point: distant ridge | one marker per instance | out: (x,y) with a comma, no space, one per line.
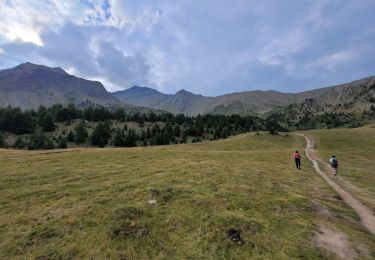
(246,102)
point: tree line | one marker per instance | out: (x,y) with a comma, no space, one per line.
(101,126)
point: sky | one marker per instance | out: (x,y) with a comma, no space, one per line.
(209,47)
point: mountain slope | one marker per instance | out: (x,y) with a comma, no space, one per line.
(181,102)
(358,91)
(355,94)
(187,103)
(351,104)
(192,104)
(29,86)
(141,96)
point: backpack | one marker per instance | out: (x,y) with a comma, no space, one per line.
(334,162)
(297,156)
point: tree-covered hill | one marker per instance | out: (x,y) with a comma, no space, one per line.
(68,126)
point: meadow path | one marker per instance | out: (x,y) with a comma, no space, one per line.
(238,136)
(366,215)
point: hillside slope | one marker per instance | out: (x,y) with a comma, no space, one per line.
(29,86)
(350,104)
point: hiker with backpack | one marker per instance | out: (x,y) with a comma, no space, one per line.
(334,164)
(297,159)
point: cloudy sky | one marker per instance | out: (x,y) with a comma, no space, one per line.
(209,47)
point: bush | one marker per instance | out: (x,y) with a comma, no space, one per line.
(62,143)
(48,145)
(36,142)
(19,143)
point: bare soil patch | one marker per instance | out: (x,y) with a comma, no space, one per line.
(334,242)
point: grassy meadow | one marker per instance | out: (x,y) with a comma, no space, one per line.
(94,203)
(355,149)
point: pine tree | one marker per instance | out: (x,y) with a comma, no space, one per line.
(80,133)
(184,137)
(177,131)
(70,137)
(148,133)
(119,138)
(101,134)
(168,129)
(47,123)
(2,140)
(131,138)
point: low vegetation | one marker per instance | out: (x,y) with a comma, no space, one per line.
(238,198)
(352,108)
(308,115)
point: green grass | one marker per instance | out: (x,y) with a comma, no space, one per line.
(355,149)
(93,203)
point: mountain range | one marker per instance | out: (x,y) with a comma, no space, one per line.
(29,86)
(246,102)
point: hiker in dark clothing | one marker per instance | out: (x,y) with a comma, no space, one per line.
(297,159)
(335,164)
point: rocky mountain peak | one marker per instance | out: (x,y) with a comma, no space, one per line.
(184,92)
(29,67)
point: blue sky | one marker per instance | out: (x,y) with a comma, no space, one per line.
(210,47)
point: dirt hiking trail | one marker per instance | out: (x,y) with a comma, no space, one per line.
(238,136)
(366,215)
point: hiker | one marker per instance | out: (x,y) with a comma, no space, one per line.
(297,159)
(335,164)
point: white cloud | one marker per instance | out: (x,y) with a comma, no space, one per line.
(20,22)
(331,61)
(289,43)
(133,18)
(26,20)
(71,70)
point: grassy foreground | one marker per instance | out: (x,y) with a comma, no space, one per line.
(93,203)
(355,149)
